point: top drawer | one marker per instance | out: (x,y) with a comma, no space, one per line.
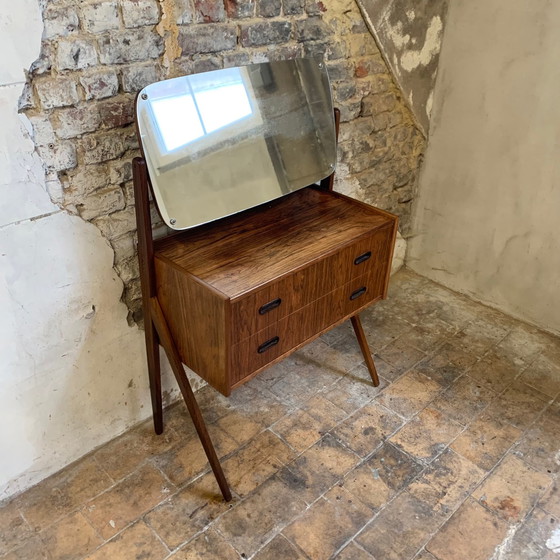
(264,306)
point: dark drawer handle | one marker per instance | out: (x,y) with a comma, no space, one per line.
(358,293)
(268,344)
(362,258)
(270,306)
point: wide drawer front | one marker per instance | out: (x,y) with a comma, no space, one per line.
(273,341)
(268,305)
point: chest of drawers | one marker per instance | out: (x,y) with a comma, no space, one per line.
(244,292)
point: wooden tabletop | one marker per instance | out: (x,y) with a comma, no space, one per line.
(248,250)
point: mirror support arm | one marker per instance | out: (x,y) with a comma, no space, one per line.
(328,182)
(147,282)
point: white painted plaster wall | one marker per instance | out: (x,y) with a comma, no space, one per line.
(72,372)
(487,219)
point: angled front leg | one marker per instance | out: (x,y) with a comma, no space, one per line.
(187,392)
(357,324)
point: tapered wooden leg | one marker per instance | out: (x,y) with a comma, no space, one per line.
(154,372)
(357,324)
(186,390)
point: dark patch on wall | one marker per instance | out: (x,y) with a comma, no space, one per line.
(409,33)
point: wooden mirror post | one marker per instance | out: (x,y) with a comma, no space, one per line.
(156,329)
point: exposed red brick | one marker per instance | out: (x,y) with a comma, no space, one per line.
(361,71)
(116,113)
(210,11)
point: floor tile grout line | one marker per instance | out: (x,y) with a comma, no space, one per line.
(360,547)
(341,548)
(308,507)
(521,521)
(421,551)
(469,494)
(548,403)
(317,499)
(224,512)
(66,514)
(423,546)
(21,514)
(275,532)
(192,481)
(18,544)
(295,545)
(184,484)
(416,414)
(39,533)
(201,531)
(156,534)
(500,461)
(399,376)
(378,513)
(241,499)
(164,475)
(522,437)
(297,451)
(511,532)
(81,507)
(542,507)
(102,468)
(94,528)
(115,536)
(142,515)
(500,393)
(394,497)
(139,467)
(530,511)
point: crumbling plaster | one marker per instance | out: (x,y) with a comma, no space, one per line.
(409,34)
(72,370)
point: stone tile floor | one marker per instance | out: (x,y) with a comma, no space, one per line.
(454,457)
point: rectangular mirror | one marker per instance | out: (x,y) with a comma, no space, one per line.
(221,142)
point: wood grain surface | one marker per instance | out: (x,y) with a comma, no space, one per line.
(243,252)
(304,324)
(198,319)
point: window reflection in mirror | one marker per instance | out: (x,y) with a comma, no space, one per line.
(200,105)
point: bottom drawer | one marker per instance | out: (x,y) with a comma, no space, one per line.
(268,344)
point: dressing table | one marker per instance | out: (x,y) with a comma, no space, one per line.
(265,256)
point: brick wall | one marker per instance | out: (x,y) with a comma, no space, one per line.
(97,54)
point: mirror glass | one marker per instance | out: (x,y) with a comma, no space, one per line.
(220,142)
